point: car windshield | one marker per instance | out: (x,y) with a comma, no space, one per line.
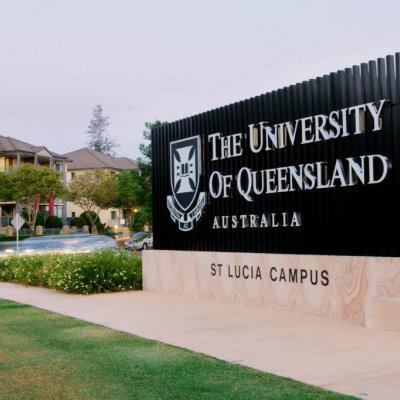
(139,236)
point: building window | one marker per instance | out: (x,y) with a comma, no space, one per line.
(58,167)
(113,215)
(72,175)
(73,214)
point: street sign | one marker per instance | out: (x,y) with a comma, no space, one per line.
(18,222)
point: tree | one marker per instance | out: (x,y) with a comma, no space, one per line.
(93,191)
(5,186)
(97,131)
(145,167)
(130,192)
(29,185)
(145,149)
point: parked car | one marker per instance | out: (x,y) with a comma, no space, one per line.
(140,241)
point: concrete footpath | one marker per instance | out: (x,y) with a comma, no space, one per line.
(333,354)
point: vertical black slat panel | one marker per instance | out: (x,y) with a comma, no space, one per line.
(251,234)
(314,150)
(223,163)
(324,146)
(262,158)
(231,163)
(310,155)
(391,79)
(256,165)
(241,120)
(397,67)
(327,94)
(247,234)
(325,195)
(357,88)
(297,157)
(197,129)
(283,233)
(299,238)
(321,209)
(340,146)
(351,196)
(203,222)
(391,146)
(269,158)
(158,220)
(377,149)
(155,157)
(159,176)
(387,141)
(208,167)
(292,239)
(182,241)
(368,97)
(217,166)
(374,80)
(359,192)
(299,112)
(196,238)
(279,198)
(236,127)
(387,144)
(183,132)
(162,178)
(290,200)
(262,201)
(351,148)
(368,201)
(382,78)
(172,244)
(213,207)
(394,84)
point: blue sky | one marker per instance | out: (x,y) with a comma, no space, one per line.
(143,60)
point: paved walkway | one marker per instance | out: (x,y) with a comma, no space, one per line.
(336,355)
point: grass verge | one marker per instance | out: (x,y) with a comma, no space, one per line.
(48,356)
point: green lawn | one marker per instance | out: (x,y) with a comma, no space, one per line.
(48,356)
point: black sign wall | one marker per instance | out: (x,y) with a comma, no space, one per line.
(312,168)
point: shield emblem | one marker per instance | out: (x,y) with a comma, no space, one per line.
(185,167)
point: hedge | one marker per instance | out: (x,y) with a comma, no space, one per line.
(85,273)
(53,221)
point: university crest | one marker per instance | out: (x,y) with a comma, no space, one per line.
(186,204)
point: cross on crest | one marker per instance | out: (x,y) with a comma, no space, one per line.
(185,170)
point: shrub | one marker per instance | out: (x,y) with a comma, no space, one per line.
(4,238)
(99,225)
(53,221)
(100,271)
(77,221)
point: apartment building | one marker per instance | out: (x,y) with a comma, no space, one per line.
(13,153)
(86,159)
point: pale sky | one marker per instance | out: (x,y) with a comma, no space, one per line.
(149,59)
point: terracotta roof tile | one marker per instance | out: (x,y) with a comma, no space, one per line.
(9,144)
(88,158)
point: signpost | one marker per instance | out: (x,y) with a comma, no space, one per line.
(287,200)
(17,222)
